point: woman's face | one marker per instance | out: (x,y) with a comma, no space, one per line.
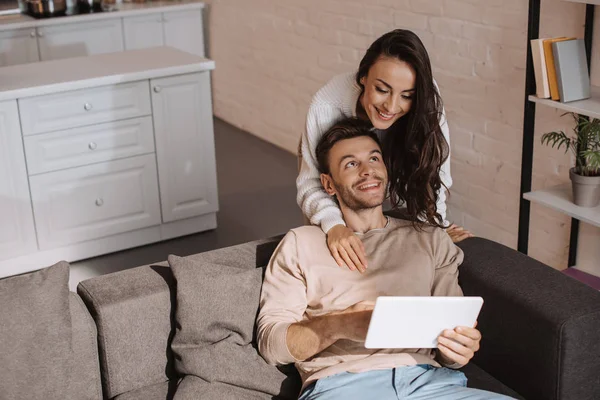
(389,90)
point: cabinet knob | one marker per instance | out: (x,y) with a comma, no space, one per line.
(157,89)
(99,202)
(92,146)
(40,34)
(32,34)
(87,106)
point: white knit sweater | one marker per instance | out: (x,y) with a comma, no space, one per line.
(334,101)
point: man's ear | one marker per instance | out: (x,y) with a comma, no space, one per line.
(327,183)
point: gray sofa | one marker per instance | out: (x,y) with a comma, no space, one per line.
(541,329)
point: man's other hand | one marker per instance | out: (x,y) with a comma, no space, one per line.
(458,346)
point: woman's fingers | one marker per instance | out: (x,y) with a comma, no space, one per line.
(360,259)
(460,237)
(458,233)
(337,258)
(347,259)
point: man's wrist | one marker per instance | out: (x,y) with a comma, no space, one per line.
(331,326)
(447,363)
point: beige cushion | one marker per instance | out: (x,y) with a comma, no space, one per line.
(35,335)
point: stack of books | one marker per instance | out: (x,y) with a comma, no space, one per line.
(561,70)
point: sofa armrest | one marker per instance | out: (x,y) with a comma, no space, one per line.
(85,381)
(133,314)
(541,329)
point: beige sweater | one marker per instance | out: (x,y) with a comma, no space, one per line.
(303,281)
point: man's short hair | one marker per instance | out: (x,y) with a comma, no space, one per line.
(347,128)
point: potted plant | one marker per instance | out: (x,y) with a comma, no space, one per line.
(585,145)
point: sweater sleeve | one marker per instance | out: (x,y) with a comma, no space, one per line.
(282,302)
(447,258)
(445,169)
(444,172)
(315,203)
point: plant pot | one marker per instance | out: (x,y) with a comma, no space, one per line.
(586,189)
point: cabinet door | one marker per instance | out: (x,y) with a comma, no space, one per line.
(95,201)
(183,126)
(18,47)
(143,32)
(183,30)
(80,39)
(17,233)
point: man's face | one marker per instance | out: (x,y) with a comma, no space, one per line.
(358,176)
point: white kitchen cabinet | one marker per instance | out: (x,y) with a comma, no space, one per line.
(143,32)
(88,145)
(180,29)
(18,47)
(80,39)
(183,30)
(84,107)
(185,145)
(95,201)
(17,232)
(88,152)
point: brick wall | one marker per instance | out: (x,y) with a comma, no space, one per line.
(272,56)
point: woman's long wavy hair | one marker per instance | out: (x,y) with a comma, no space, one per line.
(414,147)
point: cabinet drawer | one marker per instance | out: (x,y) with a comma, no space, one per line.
(95,201)
(84,107)
(92,144)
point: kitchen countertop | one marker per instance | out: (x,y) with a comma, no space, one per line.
(47,77)
(22,21)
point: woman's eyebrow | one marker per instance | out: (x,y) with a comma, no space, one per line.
(391,88)
(385,83)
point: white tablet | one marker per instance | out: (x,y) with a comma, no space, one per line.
(416,322)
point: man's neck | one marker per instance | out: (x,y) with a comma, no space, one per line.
(362,221)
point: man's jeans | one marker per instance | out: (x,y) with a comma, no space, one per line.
(419,382)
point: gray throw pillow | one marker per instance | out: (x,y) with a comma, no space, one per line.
(215,317)
(35,335)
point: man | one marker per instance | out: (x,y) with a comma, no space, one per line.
(316,314)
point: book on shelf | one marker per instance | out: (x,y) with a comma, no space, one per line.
(550,68)
(542,88)
(572,74)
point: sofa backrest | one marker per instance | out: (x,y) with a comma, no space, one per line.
(540,328)
(134,314)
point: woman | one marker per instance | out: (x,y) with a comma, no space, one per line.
(395,91)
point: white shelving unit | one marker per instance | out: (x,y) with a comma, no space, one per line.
(589,107)
(596,2)
(560,198)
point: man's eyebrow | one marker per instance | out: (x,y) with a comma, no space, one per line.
(345,157)
(390,86)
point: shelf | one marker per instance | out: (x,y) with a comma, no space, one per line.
(589,107)
(596,2)
(560,198)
